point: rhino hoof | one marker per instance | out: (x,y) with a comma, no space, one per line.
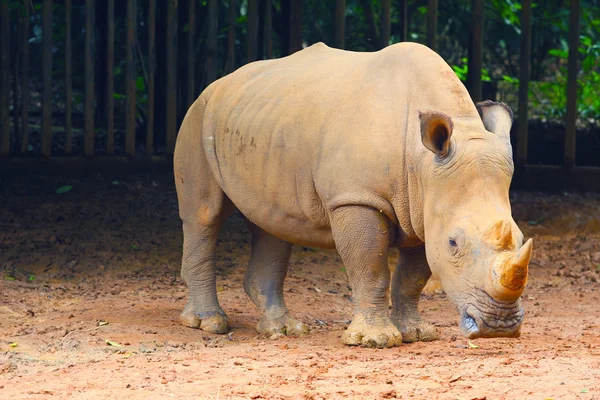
(284,325)
(215,322)
(419,332)
(372,336)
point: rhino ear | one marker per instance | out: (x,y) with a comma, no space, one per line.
(436,130)
(497,117)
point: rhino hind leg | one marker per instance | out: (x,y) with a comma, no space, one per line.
(203,207)
(198,270)
(264,280)
(361,236)
(408,282)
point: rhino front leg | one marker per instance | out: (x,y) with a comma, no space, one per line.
(362,239)
(408,282)
(264,280)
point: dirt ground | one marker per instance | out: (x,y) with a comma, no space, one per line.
(90,295)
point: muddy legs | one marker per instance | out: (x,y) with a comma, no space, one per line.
(264,283)
(408,282)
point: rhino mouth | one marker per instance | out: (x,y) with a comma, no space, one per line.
(491,320)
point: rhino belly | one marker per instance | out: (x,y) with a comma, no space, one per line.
(267,175)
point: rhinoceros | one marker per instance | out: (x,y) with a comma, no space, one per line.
(361,152)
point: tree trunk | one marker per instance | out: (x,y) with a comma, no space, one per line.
(373,38)
(231,37)
(296,7)
(252,37)
(340,24)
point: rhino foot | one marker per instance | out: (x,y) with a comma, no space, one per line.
(215,322)
(420,331)
(360,333)
(286,325)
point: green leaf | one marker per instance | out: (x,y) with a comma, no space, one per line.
(64,189)
(559,53)
(140,84)
(10,278)
(31,278)
(13,344)
(471,345)
(135,247)
(585,390)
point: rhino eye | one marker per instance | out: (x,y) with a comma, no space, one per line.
(452,242)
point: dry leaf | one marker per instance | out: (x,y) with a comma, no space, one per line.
(111,343)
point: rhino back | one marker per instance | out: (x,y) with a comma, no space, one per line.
(289,139)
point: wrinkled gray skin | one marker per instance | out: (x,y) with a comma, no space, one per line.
(360,152)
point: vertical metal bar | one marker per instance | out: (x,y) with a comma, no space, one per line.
(432,10)
(110,82)
(571,117)
(171,75)
(47,78)
(269,28)
(130,100)
(4,72)
(476,53)
(151,75)
(296,7)
(88,107)
(191,56)
(252,30)
(25,78)
(385,23)
(404,20)
(16,78)
(211,45)
(231,37)
(68,79)
(340,24)
(523,125)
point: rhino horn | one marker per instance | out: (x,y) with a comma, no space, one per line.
(500,233)
(509,274)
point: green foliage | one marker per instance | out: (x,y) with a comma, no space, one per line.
(462,71)
(549,97)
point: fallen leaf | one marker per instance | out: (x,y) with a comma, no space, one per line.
(127,355)
(318,290)
(10,278)
(102,323)
(111,343)
(13,344)
(454,378)
(471,345)
(64,189)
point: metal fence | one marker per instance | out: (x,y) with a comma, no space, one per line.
(15,139)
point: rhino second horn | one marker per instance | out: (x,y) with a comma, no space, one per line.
(509,274)
(500,234)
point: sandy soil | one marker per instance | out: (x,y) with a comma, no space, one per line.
(90,294)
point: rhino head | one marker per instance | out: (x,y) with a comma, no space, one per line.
(473,245)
